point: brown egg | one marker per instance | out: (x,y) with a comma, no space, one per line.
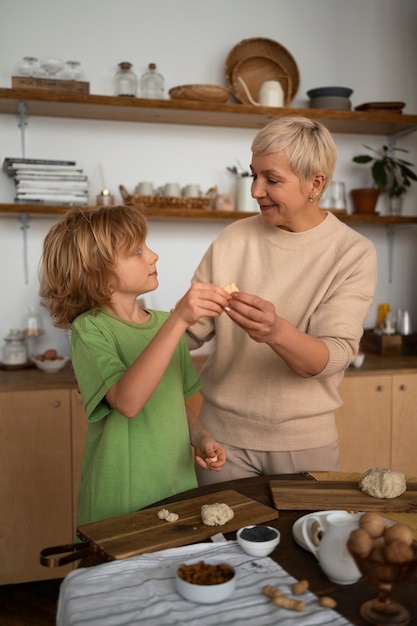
(398,551)
(373,523)
(399,531)
(360,542)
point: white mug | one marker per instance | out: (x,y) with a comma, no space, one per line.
(144,189)
(172,189)
(192,191)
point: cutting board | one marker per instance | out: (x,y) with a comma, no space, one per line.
(136,533)
(311,495)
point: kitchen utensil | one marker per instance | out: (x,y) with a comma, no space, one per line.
(143,531)
(270,93)
(251,74)
(308,495)
(269,53)
(200,93)
(331,552)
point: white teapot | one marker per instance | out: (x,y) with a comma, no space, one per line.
(271,93)
(332,553)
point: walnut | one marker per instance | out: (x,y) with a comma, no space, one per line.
(382,483)
(231,288)
(167,515)
(216,514)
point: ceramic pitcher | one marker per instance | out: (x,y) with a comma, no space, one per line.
(332,553)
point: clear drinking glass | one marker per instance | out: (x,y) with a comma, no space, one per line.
(51,66)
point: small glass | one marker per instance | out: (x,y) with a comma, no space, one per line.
(51,66)
(72,70)
(29,66)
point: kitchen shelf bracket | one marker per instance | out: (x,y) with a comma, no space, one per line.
(390,237)
(22,117)
(24,227)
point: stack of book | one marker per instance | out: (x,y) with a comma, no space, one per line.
(44,181)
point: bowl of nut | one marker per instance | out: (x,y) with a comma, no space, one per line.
(205,582)
(50,361)
(258,540)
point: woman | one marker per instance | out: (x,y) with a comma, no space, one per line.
(306,284)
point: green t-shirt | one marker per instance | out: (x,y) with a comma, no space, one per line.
(130,463)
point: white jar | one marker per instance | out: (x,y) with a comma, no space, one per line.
(14,351)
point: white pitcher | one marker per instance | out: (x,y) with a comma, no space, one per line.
(332,553)
(271,93)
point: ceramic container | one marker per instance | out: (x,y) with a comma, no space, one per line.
(258,540)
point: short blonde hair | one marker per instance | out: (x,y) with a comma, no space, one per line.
(79,255)
(307,144)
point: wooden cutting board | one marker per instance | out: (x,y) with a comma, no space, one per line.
(311,495)
(143,531)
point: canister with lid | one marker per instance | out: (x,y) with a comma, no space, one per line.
(14,350)
(125,81)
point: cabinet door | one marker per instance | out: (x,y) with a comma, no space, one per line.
(35,482)
(79,426)
(364,423)
(404,424)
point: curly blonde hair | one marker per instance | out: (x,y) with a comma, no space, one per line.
(78,258)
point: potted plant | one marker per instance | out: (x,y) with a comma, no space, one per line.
(391,175)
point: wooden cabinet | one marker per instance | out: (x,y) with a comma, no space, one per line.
(378,423)
(41,437)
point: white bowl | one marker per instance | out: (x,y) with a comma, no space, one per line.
(255,540)
(51,366)
(206,594)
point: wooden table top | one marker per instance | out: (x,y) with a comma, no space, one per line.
(302,564)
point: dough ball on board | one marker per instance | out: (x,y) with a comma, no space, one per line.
(382,483)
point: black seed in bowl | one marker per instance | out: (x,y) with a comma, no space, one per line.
(258,533)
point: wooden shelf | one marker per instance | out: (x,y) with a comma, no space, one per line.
(42,210)
(97,107)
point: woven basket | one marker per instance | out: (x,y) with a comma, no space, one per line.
(268,50)
(200,93)
(255,71)
(146,203)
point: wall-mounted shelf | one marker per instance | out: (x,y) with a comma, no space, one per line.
(82,106)
(42,210)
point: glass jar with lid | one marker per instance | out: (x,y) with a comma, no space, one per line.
(125,80)
(152,83)
(14,351)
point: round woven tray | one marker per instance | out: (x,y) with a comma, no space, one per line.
(255,71)
(266,49)
(200,93)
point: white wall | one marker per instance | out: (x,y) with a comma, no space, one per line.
(368,45)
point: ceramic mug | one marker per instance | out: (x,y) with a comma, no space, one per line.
(192,191)
(171,189)
(144,189)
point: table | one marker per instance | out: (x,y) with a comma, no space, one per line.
(298,562)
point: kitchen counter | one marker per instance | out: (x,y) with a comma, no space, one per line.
(14,380)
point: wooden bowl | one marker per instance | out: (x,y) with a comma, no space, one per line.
(200,93)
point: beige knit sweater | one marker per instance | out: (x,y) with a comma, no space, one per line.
(323,282)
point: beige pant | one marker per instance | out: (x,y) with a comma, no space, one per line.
(242,463)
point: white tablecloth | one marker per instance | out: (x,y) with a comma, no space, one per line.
(141,591)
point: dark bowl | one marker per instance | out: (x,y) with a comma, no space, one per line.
(341,92)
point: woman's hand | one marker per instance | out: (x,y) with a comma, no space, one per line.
(209,454)
(254,315)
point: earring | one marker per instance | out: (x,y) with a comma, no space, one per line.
(312,196)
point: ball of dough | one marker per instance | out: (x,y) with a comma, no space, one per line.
(382,483)
(360,542)
(216,514)
(400,532)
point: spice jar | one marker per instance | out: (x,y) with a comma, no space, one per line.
(152,83)
(14,351)
(125,80)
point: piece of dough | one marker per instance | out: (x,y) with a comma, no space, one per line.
(216,514)
(382,483)
(167,515)
(231,288)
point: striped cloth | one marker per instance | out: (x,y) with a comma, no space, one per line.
(141,590)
